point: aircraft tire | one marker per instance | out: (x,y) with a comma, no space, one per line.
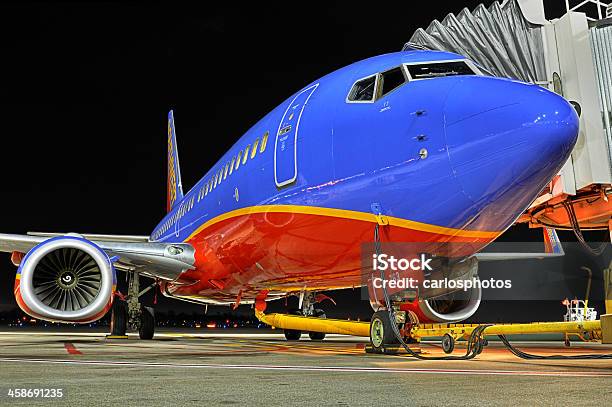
(291,334)
(147,323)
(448,344)
(381,332)
(118,325)
(317,336)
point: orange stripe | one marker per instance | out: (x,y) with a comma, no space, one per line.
(346,214)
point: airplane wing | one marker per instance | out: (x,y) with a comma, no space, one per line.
(552,248)
(106,238)
(165,261)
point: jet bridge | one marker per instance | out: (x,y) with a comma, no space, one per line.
(570,55)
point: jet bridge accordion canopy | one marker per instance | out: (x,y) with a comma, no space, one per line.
(499,38)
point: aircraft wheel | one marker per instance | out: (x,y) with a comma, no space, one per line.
(448,343)
(317,336)
(290,334)
(118,325)
(147,322)
(381,331)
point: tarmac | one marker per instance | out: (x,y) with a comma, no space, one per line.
(233,367)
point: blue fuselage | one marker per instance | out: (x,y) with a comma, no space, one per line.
(466,152)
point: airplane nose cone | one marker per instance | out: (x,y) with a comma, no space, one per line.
(506,140)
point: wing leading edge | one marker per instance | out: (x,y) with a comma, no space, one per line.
(552,248)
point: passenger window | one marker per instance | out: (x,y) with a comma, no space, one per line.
(363,90)
(220,174)
(238,160)
(216,178)
(232,165)
(246,154)
(207,188)
(254,151)
(225,171)
(264,141)
(392,79)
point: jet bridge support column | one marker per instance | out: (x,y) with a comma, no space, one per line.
(606,320)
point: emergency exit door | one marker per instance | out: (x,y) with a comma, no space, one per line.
(286,144)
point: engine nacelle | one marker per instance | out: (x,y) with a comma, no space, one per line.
(66,279)
(438,302)
(452,307)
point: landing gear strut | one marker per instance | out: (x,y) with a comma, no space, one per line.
(307,308)
(130,313)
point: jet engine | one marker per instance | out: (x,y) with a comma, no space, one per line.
(66,279)
(454,298)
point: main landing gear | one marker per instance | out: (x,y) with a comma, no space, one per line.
(129,312)
(384,340)
(307,305)
(381,332)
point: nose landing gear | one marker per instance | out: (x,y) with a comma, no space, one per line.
(381,332)
(292,334)
(317,336)
(308,300)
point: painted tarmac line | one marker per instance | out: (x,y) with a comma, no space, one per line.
(197,335)
(343,369)
(71,349)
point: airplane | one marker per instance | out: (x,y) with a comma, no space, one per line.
(415,146)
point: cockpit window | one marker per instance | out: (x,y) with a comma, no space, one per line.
(392,79)
(438,69)
(363,90)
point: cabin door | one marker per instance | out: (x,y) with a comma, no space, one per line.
(285,146)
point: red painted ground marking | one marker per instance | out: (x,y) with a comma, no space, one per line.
(71,349)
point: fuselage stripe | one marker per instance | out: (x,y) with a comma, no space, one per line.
(346,214)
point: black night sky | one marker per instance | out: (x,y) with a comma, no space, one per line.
(86,89)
